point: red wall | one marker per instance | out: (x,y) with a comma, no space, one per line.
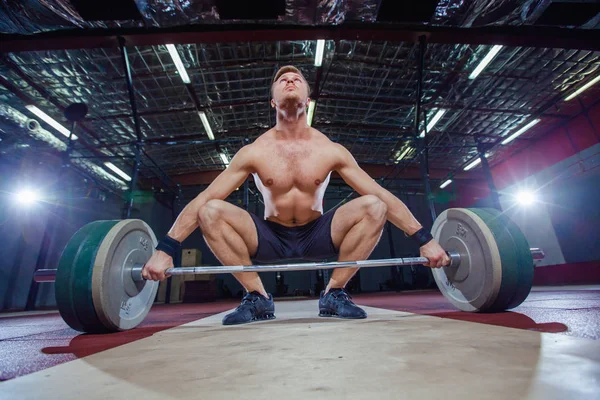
(584,273)
(532,156)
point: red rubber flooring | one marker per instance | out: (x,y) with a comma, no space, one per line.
(569,311)
(34,342)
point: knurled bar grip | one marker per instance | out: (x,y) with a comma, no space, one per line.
(136,272)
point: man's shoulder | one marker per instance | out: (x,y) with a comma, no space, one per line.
(264,138)
(253,150)
(322,138)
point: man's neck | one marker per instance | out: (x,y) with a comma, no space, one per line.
(292,126)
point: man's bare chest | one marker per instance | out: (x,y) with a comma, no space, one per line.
(304,168)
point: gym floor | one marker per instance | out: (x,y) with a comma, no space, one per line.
(546,348)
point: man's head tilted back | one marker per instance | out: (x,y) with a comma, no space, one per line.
(289,82)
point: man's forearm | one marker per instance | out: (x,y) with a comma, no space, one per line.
(398,214)
(187,221)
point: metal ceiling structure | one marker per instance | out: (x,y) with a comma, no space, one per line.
(366,88)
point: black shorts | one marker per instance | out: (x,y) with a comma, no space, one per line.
(311,242)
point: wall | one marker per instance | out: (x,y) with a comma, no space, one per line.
(562,168)
(22,227)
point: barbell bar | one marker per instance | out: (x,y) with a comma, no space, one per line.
(49,275)
(99,287)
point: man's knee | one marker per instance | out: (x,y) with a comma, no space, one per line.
(211,213)
(374,208)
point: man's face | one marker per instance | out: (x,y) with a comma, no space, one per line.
(290,88)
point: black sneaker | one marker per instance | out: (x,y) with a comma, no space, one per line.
(337,303)
(254,307)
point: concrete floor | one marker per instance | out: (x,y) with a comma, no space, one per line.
(390,355)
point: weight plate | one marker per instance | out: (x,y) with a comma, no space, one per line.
(73,276)
(508,257)
(525,259)
(475,284)
(121,303)
(84,266)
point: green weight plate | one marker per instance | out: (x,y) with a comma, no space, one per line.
(510,260)
(475,284)
(64,278)
(84,268)
(525,265)
(76,251)
(119,301)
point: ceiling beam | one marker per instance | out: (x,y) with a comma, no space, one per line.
(527,36)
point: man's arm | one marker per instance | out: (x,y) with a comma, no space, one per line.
(187,221)
(398,214)
(226,182)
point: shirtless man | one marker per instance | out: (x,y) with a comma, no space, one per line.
(291,164)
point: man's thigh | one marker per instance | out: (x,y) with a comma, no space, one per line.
(240,220)
(349,215)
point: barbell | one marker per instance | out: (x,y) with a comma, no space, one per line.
(99,286)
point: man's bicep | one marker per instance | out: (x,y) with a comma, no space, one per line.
(224,184)
(354,175)
(233,176)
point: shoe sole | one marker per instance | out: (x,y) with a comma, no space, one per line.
(330,314)
(264,317)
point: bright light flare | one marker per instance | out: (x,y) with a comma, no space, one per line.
(27,197)
(526,198)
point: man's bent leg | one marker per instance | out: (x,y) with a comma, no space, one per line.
(355,230)
(231,235)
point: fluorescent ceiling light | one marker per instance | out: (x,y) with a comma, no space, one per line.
(209,131)
(117,171)
(486,60)
(403,154)
(224,158)
(433,121)
(319,52)
(583,88)
(311,111)
(520,131)
(443,185)
(178,63)
(50,121)
(473,164)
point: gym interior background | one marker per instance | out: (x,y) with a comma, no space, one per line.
(187,127)
(446,103)
(175,89)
